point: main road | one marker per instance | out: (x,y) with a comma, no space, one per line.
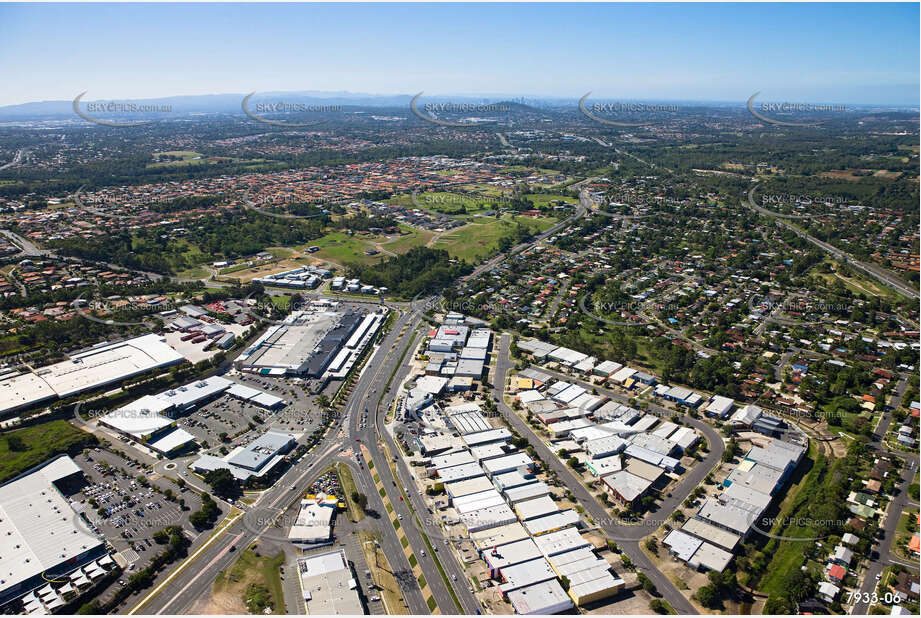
(877,272)
(379,393)
(179,592)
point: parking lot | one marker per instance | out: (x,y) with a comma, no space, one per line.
(127,512)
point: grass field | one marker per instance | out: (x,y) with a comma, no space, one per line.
(405,242)
(473,242)
(450,202)
(480,240)
(342,249)
(253,582)
(39,443)
(348,486)
(857,282)
(193,273)
(907,523)
(543,199)
(188,158)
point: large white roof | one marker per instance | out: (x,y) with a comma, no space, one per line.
(98,366)
(39,531)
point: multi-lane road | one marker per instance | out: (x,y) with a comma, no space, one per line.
(182,589)
(877,272)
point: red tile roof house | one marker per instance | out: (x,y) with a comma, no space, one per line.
(837,573)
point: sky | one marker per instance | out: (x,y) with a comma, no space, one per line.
(827,52)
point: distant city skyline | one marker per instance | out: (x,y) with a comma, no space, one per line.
(821,53)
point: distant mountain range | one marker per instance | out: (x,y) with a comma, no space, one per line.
(230,103)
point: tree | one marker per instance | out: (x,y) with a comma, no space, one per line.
(222,482)
(658,606)
(709,598)
(776,605)
(359,499)
(646,583)
(198,519)
(572,462)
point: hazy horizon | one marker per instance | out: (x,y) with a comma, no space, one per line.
(846,53)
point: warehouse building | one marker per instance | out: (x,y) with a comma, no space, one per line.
(536,348)
(535,507)
(719,407)
(509,463)
(511,480)
(487,518)
(726,517)
(552,523)
(626,488)
(459,489)
(526,574)
(510,554)
(528,491)
(304,345)
(485,540)
(99,366)
(707,532)
(255,460)
(328,585)
(544,598)
(759,477)
(40,532)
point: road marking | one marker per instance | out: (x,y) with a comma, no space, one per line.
(185,563)
(222,553)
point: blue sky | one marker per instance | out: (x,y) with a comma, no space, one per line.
(844,53)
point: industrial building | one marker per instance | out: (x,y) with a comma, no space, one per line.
(41,532)
(99,366)
(328,585)
(254,460)
(543,598)
(304,345)
(304,277)
(314,523)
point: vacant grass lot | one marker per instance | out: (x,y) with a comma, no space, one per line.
(21,449)
(787,556)
(252,583)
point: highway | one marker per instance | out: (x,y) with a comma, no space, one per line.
(16,159)
(877,272)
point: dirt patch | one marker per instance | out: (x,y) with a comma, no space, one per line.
(228,595)
(262,270)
